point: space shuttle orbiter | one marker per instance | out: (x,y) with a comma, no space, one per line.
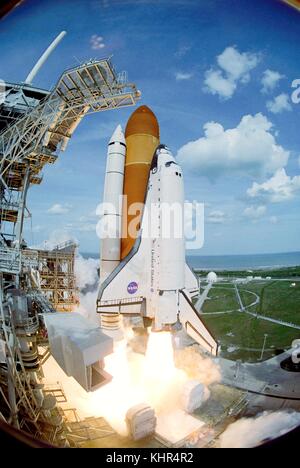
(151,279)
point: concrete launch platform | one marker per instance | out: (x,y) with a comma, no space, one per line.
(266,378)
(177,428)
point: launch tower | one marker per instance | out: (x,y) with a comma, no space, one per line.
(35,124)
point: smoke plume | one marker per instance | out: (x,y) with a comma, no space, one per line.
(86,273)
(196,366)
(251,432)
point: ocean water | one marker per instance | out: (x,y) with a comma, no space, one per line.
(237,262)
(244,262)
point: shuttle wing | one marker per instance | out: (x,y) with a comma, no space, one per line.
(194,326)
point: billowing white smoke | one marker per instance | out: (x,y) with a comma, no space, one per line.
(196,366)
(86,273)
(87,306)
(251,432)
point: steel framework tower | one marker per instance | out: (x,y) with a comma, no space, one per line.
(56,276)
(36,125)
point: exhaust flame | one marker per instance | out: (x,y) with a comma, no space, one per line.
(161,380)
(114,399)
(152,378)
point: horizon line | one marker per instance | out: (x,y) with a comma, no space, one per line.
(220,255)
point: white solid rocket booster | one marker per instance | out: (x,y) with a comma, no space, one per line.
(112,206)
(110,252)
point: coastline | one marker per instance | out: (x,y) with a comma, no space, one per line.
(237,263)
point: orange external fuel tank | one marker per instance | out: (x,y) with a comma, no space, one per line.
(142,138)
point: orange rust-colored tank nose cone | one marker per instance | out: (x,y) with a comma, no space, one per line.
(142,138)
(142,121)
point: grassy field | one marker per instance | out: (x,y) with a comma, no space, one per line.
(242,335)
(246,334)
(220,299)
(248,298)
(278,300)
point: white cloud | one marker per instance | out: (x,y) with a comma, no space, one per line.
(96,42)
(236,64)
(58,209)
(233,67)
(255,212)
(216,83)
(273,220)
(279,104)
(179,76)
(216,217)
(249,149)
(270,80)
(279,188)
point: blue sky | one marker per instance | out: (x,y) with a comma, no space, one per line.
(218,76)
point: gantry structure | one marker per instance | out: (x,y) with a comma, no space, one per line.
(35,125)
(56,274)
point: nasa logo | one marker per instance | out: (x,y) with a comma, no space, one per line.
(132,287)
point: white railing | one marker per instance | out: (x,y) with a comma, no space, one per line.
(10,260)
(116,302)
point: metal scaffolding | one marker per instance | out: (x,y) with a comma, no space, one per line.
(36,125)
(56,277)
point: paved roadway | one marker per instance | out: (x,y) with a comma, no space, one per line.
(203,297)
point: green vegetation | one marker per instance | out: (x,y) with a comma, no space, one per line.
(246,333)
(248,298)
(278,300)
(287,272)
(242,335)
(220,300)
